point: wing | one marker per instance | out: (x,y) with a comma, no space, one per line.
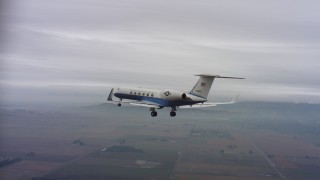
(200,105)
(203,105)
(137,103)
(145,104)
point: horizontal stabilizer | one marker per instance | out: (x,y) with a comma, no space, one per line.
(218,76)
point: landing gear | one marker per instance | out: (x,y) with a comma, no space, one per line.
(154,113)
(119,104)
(173,112)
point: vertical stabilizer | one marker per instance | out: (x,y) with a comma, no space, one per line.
(204,84)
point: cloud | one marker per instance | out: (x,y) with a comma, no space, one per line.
(273,44)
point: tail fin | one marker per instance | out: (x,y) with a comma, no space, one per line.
(204,84)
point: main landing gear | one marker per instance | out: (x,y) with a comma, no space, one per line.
(154,113)
(173,112)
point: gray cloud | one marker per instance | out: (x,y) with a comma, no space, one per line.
(99,44)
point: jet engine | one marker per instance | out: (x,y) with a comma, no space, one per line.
(184,96)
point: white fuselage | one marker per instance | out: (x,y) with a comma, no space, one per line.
(164,98)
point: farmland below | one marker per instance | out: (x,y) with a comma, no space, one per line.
(249,140)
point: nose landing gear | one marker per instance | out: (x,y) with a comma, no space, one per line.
(119,104)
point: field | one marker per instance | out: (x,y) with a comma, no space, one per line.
(241,141)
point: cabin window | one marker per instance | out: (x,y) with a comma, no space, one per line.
(151,95)
(139,94)
(143,94)
(147,94)
(130,92)
(135,93)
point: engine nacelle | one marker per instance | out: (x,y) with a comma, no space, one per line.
(173,95)
(184,96)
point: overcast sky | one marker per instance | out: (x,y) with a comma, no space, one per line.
(63,50)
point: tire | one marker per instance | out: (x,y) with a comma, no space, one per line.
(154,113)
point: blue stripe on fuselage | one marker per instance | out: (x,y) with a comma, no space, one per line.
(159,101)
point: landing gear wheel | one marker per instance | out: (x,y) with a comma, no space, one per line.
(119,104)
(172,114)
(154,113)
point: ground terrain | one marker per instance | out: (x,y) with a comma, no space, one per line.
(241,141)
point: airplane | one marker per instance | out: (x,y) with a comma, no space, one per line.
(160,98)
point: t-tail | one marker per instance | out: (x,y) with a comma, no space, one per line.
(203,86)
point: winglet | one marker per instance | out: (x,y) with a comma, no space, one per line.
(110,95)
(236,98)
